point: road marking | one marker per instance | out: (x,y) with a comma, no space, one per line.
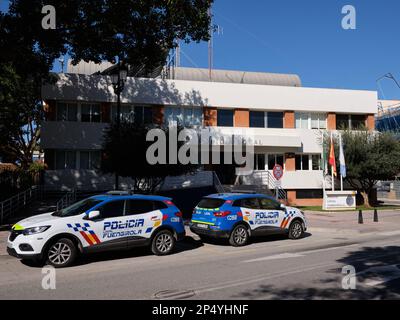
(298,254)
(285,255)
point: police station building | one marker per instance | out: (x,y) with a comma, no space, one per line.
(285,119)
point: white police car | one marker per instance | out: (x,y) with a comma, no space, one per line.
(237,216)
(99,223)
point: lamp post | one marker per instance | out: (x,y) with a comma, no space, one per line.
(118,81)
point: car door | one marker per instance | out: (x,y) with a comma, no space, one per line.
(144,218)
(272,215)
(249,208)
(109,230)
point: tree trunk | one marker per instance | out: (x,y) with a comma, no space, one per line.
(365,196)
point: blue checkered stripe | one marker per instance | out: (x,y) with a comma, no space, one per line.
(289,214)
(79,227)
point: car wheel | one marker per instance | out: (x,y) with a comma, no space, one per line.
(239,236)
(61,253)
(296,230)
(163,243)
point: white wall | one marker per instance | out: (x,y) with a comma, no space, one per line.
(223,95)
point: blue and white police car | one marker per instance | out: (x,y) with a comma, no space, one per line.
(104,222)
(237,216)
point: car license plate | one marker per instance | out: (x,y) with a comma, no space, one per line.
(202,226)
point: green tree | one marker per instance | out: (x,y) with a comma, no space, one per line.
(138,33)
(125,154)
(370,157)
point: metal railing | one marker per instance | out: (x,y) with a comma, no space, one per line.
(263,178)
(19,201)
(68,199)
(217,183)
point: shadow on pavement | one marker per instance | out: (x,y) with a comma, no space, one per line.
(257,239)
(188,243)
(378,277)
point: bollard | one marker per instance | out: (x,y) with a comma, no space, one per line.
(360,217)
(376,215)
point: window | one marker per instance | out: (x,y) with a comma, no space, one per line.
(316,162)
(159,205)
(89,160)
(302,162)
(225,118)
(112,209)
(275,119)
(67,112)
(318,121)
(90,112)
(274,159)
(65,159)
(305,120)
(185,116)
(136,114)
(257,119)
(342,121)
(309,194)
(350,121)
(250,203)
(301,120)
(77,208)
(138,207)
(269,204)
(357,121)
(142,115)
(210,203)
(259,162)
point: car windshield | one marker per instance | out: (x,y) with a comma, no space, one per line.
(77,208)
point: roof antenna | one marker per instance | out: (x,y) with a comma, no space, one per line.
(220,31)
(210,47)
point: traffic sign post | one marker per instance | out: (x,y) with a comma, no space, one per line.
(277,172)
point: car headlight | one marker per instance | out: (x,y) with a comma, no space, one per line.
(35,230)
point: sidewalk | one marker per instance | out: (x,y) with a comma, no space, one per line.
(347,222)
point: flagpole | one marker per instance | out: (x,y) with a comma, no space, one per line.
(333,178)
(341,182)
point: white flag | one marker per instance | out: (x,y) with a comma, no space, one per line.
(341,158)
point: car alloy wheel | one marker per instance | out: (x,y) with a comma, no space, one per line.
(164,242)
(59,253)
(239,236)
(296,230)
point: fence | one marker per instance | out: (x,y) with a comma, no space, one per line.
(68,199)
(20,200)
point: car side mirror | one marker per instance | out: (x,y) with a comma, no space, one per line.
(282,206)
(93,214)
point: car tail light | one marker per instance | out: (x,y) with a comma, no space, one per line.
(165,217)
(222,213)
(228,201)
(178,214)
(169,203)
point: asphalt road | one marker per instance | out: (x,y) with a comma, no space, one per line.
(269,268)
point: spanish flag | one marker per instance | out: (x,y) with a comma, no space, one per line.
(332,160)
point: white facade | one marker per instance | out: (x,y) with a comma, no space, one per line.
(300,139)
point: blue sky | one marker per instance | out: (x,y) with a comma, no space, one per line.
(306,38)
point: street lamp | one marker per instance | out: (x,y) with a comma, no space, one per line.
(118,81)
